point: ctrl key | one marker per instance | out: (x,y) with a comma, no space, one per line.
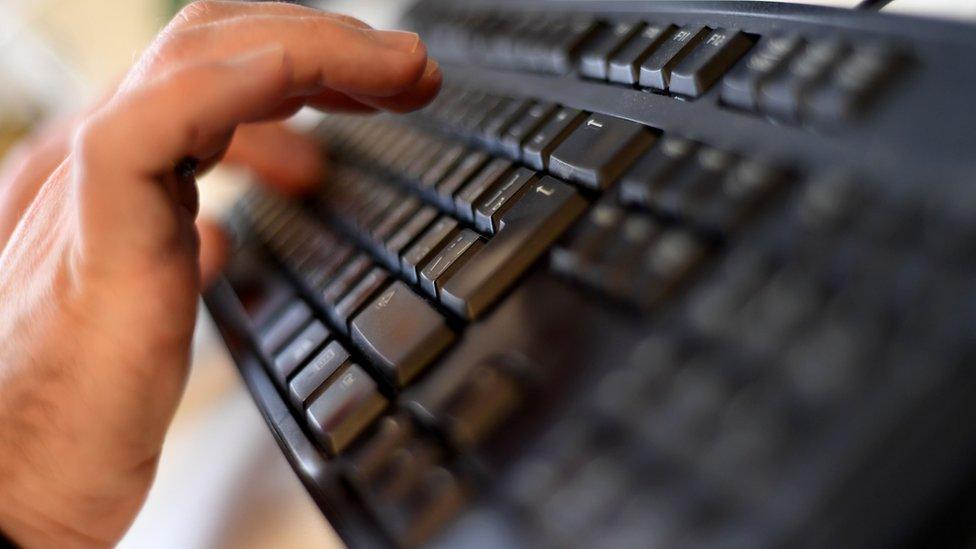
(344,409)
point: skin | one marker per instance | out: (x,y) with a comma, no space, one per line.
(103,259)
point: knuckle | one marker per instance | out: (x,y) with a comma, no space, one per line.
(87,144)
(348,20)
(196,12)
(174,46)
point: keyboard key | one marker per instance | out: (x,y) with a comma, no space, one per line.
(667,264)
(655,71)
(319,369)
(495,125)
(468,196)
(285,326)
(433,501)
(653,170)
(395,218)
(488,212)
(358,297)
(625,65)
(525,232)
(740,195)
(487,397)
(846,93)
(374,455)
(425,160)
(565,40)
(345,279)
(464,171)
(401,332)
(520,130)
(448,259)
(599,150)
(708,62)
(425,246)
(344,409)
(442,166)
(684,193)
(407,234)
(299,350)
(535,151)
(741,87)
(601,224)
(781,95)
(595,56)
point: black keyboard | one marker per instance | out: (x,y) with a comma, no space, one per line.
(677,274)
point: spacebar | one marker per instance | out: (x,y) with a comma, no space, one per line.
(526,231)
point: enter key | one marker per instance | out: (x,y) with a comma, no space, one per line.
(541,215)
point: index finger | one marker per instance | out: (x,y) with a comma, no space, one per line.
(325,54)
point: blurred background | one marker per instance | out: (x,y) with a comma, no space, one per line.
(222,481)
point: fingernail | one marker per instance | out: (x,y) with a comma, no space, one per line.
(270,56)
(404,41)
(432,67)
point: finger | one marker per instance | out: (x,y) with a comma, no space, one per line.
(412,99)
(289,161)
(325,54)
(203,12)
(214,250)
(128,207)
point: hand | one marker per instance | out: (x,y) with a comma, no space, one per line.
(99,279)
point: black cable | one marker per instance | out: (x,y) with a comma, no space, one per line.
(873,4)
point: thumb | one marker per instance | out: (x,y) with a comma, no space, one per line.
(214,250)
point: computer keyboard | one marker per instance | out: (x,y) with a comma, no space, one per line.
(645,274)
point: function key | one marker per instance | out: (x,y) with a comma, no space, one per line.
(344,409)
(741,87)
(625,65)
(595,57)
(655,71)
(708,62)
(599,150)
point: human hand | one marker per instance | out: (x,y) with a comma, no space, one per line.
(99,280)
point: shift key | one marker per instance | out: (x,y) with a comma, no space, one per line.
(543,213)
(401,332)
